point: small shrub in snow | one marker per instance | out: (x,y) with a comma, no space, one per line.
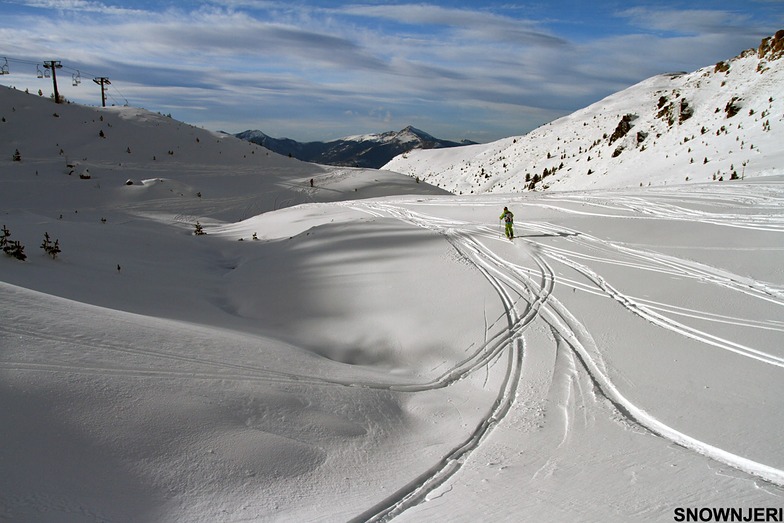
(732,108)
(15,250)
(11,248)
(52,249)
(4,235)
(17,157)
(199,230)
(686,111)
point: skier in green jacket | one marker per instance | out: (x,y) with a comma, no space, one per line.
(508,219)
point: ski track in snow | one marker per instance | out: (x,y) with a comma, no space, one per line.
(514,282)
(511,290)
(520,296)
(668,264)
(526,295)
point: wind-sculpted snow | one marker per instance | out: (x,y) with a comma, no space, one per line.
(367,348)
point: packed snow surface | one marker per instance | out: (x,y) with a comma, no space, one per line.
(373,348)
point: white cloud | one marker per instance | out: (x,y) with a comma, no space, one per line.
(339,64)
(687,21)
(80,5)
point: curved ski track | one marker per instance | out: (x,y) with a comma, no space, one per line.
(512,287)
(511,280)
(578,337)
(521,298)
(525,294)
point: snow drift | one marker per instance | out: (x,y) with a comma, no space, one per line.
(369,347)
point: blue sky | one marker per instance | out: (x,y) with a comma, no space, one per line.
(312,70)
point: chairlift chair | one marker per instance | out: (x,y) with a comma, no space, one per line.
(39,73)
(76,78)
(4,67)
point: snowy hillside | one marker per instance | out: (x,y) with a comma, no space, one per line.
(119,144)
(369,348)
(715,123)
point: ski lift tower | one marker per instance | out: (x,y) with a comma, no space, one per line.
(102,81)
(54,65)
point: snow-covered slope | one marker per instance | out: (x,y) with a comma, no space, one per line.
(370,348)
(162,158)
(712,124)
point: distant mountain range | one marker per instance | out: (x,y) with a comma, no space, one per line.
(367,150)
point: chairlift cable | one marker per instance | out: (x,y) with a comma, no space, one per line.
(76,74)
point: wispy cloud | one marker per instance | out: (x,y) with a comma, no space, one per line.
(80,5)
(306,66)
(690,21)
(473,24)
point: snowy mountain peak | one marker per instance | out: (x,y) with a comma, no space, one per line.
(362,150)
(255,136)
(406,135)
(412,134)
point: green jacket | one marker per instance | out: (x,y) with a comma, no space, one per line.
(507,216)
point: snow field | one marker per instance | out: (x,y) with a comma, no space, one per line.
(380,351)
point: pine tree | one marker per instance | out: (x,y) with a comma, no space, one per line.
(199,230)
(47,243)
(12,248)
(55,250)
(52,249)
(15,250)
(4,234)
